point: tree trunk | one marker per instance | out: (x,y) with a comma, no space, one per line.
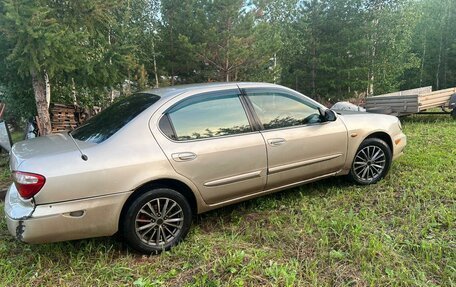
(227,63)
(227,72)
(274,71)
(172,47)
(314,68)
(128,92)
(39,89)
(155,64)
(373,56)
(447,31)
(439,63)
(48,89)
(111,95)
(73,92)
(423,58)
(227,50)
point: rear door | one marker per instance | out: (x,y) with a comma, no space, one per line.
(210,139)
(300,145)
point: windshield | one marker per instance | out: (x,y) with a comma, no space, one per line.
(108,122)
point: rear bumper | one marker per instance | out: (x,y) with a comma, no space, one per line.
(77,219)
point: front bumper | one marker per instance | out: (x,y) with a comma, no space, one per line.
(76,219)
(399,143)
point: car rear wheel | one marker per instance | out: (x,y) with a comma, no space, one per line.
(372,161)
(156,220)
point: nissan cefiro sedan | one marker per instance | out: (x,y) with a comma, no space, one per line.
(145,166)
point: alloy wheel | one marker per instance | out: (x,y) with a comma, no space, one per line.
(159,221)
(369,163)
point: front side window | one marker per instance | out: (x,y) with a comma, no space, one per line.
(108,122)
(279,110)
(207,116)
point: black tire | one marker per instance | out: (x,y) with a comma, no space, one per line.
(372,162)
(139,218)
(453,113)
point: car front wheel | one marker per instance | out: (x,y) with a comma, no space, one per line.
(156,220)
(372,161)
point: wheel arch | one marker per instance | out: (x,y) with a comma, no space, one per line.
(355,143)
(175,184)
(378,137)
(384,137)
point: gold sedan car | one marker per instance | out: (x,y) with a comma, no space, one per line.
(149,163)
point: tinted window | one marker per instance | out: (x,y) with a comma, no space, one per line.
(166,127)
(109,121)
(208,116)
(277,110)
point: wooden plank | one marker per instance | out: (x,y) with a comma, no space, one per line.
(416,91)
(64,117)
(436,99)
(65,124)
(400,105)
(450,90)
(391,98)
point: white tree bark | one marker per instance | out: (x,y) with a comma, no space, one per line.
(48,88)
(39,89)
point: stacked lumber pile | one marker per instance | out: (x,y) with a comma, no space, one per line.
(64,117)
(439,98)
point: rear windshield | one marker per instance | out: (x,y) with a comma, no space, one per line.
(108,122)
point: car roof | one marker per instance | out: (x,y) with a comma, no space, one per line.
(179,89)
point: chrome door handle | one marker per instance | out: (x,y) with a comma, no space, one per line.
(276,141)
(183,156)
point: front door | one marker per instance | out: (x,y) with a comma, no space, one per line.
(300,145)
(210,140)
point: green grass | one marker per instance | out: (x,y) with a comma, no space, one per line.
(399,232)
(17,136)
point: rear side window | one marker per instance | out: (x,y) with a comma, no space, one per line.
(207,116)
(108,122)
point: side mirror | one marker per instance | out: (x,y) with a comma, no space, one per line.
(327,115)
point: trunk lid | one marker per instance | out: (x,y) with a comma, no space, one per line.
(42,147)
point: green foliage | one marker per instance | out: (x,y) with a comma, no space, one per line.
(327,49)
(434,40)
(342,48)
(38,39)
(216,41)
(391,26)
(19,102)
(86,47)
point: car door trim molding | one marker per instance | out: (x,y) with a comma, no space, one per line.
(298,164)
(233,179)
(249,108)
(253,195)
(250,116)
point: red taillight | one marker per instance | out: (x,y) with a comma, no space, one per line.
(28,184)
